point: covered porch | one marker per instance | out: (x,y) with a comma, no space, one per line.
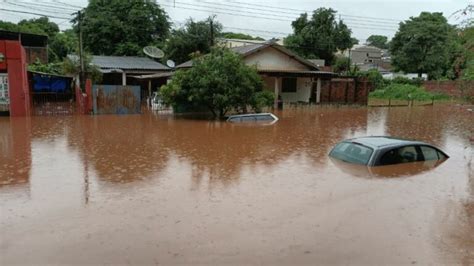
(295,86)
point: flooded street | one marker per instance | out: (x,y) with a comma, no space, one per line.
(153,189)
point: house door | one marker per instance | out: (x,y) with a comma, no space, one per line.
(4,96)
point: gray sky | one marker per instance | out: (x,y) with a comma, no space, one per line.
(265,18)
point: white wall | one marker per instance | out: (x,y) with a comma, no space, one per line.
(302,94)
(272,59)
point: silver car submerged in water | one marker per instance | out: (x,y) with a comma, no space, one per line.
(382,150)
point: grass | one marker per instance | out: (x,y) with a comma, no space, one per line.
(406,92)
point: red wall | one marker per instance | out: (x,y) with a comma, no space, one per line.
(15,64)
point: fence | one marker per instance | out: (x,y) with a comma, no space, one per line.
(345,90)
(113,99)
(453,88)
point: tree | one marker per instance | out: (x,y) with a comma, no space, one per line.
(423,44)
(319,36)
(40,25)
(220,82)
(117,27)
(242,36)
(195,37)
(62,44)
(378,41)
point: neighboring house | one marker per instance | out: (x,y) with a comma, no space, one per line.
(232,43)
(292,78)
(364,54)
(120,70)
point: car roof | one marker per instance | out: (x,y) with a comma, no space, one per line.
(245,115)
(384,141)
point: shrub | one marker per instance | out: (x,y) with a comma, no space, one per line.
(406,92)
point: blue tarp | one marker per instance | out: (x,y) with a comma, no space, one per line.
(47,83)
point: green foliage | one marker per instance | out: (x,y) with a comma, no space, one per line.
(40,25)
(354,41)
(219,81)
(62,44)
(72,66)
(242,36)
(342,64)
(194,38)
(379,41)
(424,44)
(319,36)
(406,92)
(117,27)
(402,80)
(374,76)
(51,68)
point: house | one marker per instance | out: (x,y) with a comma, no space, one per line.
(292,78)
(16,51)
(364,54)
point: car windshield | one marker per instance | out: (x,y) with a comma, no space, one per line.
(352,153)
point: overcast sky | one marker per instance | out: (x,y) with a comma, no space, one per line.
(265,18)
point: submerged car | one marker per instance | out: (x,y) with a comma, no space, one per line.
(377,151)
(260,117)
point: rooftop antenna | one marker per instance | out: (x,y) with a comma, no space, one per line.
(153,52)
(170,63)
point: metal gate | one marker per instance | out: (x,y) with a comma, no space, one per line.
(4,96)
(113,99)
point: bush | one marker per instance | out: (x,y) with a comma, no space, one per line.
(374,76)
(219,81)
(406,92)
(402,80)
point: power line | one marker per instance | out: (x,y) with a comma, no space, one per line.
(278,17)
(32,13)
(306,11)
(267,18)
(44,5)
(382,22)
(33,7)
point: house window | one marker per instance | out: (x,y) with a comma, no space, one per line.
(288,85)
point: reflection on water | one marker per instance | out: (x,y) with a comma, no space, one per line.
(196,186)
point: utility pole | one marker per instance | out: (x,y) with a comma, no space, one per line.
(81,52)
(211,23)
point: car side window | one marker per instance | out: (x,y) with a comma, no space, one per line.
(400,155)
(429,153)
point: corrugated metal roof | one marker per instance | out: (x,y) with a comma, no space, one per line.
(109,64)
(127,62)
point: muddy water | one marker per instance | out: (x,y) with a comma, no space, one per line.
(153,189)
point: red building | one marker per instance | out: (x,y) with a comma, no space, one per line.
(15,54)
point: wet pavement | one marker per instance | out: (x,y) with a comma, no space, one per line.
(153,189)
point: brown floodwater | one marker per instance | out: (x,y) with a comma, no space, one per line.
(154,189)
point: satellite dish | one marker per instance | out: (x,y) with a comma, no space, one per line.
(153,52)
(170,63)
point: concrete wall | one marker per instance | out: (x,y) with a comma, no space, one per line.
(272,59)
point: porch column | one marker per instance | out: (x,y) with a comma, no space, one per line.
(124,78)
(318,91)
(277,92)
